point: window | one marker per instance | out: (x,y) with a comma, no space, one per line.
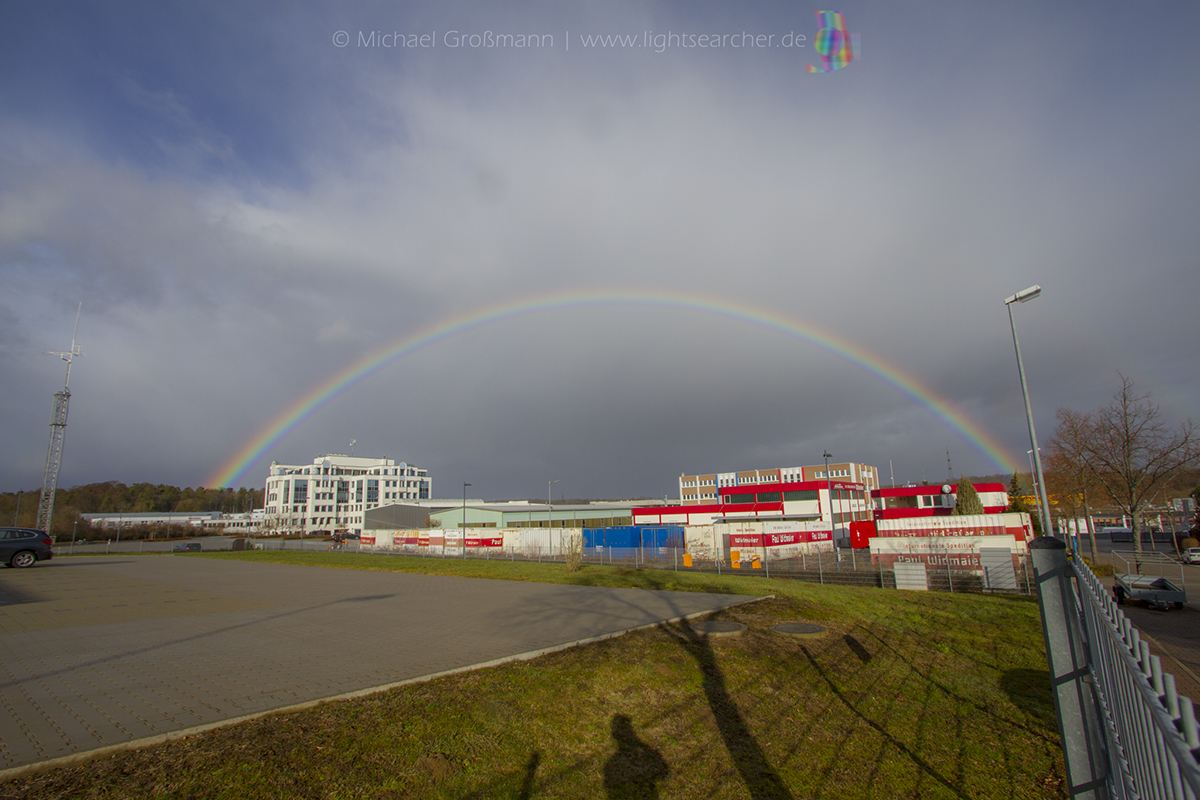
(739,498)
(769,497)
(810,494)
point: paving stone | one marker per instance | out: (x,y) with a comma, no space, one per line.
(96,651)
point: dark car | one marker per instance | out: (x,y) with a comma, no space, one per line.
(23,547)
(189,547)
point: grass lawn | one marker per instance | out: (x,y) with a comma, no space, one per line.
(914,695)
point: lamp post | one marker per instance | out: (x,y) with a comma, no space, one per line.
(829,490)
(464,522)
(1024,296)
(120,519)
(1037,502)
(18,512)
(550,512)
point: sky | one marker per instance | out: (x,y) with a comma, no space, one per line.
(601,264)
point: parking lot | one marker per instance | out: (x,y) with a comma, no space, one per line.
(101,651)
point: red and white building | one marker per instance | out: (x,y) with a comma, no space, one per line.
(916,524)
(933,501)
(837,502)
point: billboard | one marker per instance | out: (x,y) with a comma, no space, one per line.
(940,552)
(970,525)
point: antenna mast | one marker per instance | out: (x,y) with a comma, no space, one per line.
(58,429)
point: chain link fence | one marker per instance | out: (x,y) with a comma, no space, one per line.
(844,567)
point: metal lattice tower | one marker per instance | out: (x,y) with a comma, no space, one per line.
(58,429)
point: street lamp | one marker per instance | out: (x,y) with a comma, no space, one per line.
(829,491)
(464,523)
(18,512)
(1024,296)
(550,512)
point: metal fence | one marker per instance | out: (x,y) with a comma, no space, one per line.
(1126,732)
(845,567)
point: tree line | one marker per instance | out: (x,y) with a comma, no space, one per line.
(111,496)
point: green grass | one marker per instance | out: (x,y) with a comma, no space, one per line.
(923,695)
(547,572)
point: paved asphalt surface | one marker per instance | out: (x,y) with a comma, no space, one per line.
(101,651)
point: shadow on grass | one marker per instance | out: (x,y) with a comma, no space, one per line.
(751,762)
(927,675)
(856,647)
(530,773)
(632,772)
(921,763)
(1029,690)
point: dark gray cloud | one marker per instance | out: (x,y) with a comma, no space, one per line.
(251,209)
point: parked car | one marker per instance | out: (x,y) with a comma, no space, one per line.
(186,547)
(1191,555)
(24,547)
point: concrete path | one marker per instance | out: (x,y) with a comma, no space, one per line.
(98,651)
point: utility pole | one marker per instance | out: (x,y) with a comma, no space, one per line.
(58,430)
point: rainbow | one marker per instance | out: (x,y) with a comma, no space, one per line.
(233,470)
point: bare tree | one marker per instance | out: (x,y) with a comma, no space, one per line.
(1134,454)
(1069,470)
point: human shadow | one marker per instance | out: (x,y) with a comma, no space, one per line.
(530,773)
(751,762)
(633,771)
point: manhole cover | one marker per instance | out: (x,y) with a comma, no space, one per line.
(717,628)
(802,629)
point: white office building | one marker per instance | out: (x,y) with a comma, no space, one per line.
(335,491)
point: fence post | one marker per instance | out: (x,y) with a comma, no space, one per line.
(1070,680)
(949,577)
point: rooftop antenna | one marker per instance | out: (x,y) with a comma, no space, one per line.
(58,429)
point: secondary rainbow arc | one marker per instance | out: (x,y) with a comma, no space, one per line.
(235,468)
